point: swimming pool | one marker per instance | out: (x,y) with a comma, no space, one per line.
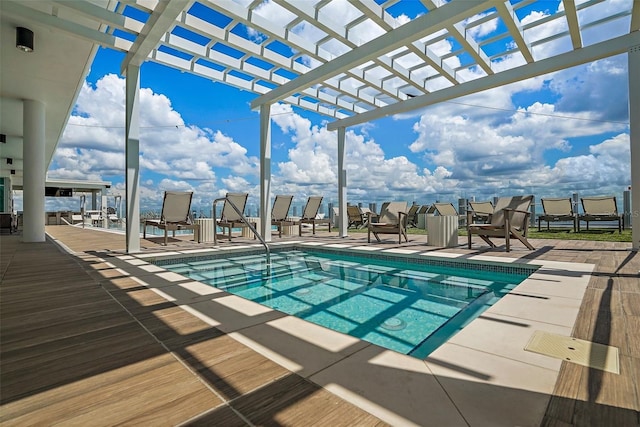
(409,305)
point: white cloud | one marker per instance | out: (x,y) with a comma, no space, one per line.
(313,161)
(92,146)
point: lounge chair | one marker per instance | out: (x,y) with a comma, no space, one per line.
(310,215)
(175,215)
(600,209)
(355,217)
(447,209)
(557,210)
(392,220)
(77,219)
(230,218)
(482,211)
(510,219)
(412,216)
(366,214)
(421,216)
(280,212)
(112,216)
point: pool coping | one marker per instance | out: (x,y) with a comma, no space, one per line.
(488,353)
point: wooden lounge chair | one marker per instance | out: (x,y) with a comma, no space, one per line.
(175,215)
(310,215)
(557,210)
(280,212)
(510,219)
(355,217)
(482,211)
(392,220)
(231,219)
(600,209)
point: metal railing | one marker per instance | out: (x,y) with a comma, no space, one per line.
(244,219)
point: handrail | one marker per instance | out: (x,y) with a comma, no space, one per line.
(244,219)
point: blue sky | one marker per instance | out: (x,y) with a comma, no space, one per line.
(550,136)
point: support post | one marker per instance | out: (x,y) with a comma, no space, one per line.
(342,184)
(634,141)
(132,148)
(265,172)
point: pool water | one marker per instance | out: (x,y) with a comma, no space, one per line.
(407,307)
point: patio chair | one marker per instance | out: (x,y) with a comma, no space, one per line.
(310,215)
(280,212)
(557,210)
(482,211)
(77,219)
(366,214)
(447,209)
(602,208)
(231,219)
(355,217)
(392,220)
(412,216)
(510,219)
(421,216)
(175,215)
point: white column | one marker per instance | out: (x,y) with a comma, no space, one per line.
(265,172)
(342,184)
(33,181)
(132,148)
(634,139)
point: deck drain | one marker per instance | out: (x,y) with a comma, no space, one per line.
(581,352)
(394,324)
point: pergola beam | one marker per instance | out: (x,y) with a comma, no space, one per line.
(162,19)
(422,26)
(565,60)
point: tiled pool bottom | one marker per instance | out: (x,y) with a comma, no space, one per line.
(401,304)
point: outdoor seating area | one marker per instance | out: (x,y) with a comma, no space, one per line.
(481,218)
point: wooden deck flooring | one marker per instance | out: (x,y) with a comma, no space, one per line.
(84,344)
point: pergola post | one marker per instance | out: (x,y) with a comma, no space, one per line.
(132,148)
(342,184)
(265,172)
(634,141)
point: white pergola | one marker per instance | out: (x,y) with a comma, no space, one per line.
(351,60)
